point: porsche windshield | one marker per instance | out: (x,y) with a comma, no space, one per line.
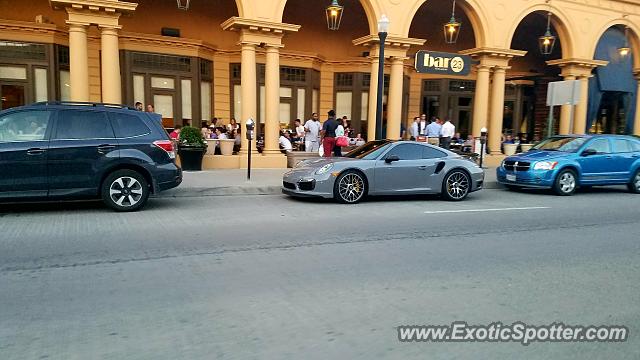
(369,151)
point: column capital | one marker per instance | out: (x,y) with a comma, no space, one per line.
(76,25)
(578,68)
(391,41)
(493,56)
(106,28)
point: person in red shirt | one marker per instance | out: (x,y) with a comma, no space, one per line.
(175,134)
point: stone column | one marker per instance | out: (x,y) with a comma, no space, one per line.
(580,121)
(78,61)
(373,97)
(249,93)
(111,80)
(481,100)
(565,113)
(497,109)
(636,123)
(394,107)
(272,100)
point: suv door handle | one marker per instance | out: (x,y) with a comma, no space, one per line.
(105,148)
(36,151)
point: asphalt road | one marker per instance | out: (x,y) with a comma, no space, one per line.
(268,277)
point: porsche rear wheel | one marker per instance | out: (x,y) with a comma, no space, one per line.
(350,187)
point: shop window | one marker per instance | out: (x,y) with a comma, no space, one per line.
(185,89)
(13,72)
(206,69)
(162,83)
(293,74)
(138,88)
(161,62)
(286,92)
(344,79)
(205,94)
(285,113)
(163,105)
(263,106)
(41,88)
(344,103)
(23,51)
(236,71)
(364,106)
(432,85)
(65,87)
(301,103)
(462,86)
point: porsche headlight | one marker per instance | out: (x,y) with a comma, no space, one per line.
(545,165)
(324,169)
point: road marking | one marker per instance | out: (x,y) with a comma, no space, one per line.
(483,210)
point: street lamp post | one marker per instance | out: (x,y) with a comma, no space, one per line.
(383,27)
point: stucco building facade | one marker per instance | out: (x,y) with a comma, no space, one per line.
(275,61)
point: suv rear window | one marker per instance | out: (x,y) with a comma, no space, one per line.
(77,125)
(128,126)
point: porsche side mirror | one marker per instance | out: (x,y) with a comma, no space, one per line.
(391,158)
(589,152)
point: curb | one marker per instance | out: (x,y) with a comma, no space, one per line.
(247,190)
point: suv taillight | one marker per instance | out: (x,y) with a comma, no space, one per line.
(166,145)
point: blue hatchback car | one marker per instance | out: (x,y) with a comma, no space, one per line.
(564,163)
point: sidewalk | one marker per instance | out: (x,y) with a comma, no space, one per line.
(263,182)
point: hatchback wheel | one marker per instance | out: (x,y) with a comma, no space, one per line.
(125,190)
(456,186)
(634,185)
(566,183)
(350,187)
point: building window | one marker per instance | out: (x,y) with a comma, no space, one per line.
(23,51)
(432,85)
(345,79)
(24,73)
(41,85)
(161,62)
(462,86)
(185,90)
(205,94)
(65,87)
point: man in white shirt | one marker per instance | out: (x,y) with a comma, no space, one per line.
(415,131)
(422,125)
(446,133)
(299,130)
(312,138)
(285,143)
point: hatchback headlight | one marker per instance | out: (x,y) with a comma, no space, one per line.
(545,165)
(324,169)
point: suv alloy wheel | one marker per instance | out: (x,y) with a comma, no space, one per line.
(125,190)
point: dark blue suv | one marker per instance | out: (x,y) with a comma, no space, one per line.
(68,150)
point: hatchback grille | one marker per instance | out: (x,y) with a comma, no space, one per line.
(517,165)
(289,185)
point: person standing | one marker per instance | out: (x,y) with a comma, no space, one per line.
(415,129)
(150,109)
(312,129)
(446,133)
(299,138)
(340,131)
(328,134)
(422,125)
(175,134)
(139,106)
(433,132)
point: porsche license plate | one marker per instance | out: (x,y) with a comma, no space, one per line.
(511,177)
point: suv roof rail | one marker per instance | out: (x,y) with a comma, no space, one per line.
(83,103)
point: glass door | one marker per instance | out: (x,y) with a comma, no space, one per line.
(11,95)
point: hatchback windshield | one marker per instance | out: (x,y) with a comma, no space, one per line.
(565,144)
(369,151)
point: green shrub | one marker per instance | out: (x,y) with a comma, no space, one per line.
(191,136)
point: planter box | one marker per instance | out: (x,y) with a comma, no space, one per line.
(510,149)
(525,147)
(191,157)
(226,146)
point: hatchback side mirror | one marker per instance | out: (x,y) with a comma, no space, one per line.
(589,152)
(391,158)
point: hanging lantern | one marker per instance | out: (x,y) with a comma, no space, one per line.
(547,41)
(183,5)
(334,15)
(625,50)
(452,28)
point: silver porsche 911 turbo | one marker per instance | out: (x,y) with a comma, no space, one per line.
(385,167)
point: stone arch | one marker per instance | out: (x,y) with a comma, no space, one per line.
(367,5)
(472,9)
(634,39)
(240,7)
(560,22)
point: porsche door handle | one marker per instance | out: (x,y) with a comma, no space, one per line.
(424,167)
